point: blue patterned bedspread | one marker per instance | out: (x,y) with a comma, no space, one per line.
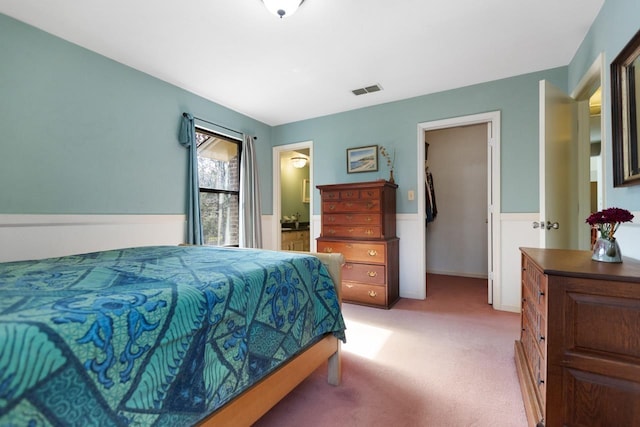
(156,336)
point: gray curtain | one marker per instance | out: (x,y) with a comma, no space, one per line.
(187,138)
(250,213)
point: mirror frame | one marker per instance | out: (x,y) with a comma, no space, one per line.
(625,92)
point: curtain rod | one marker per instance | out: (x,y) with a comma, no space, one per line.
(215,124)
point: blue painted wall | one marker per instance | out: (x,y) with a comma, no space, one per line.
(395,125)
(82,134)
(616,24)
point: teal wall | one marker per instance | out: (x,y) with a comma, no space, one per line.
(80,133)
(615,25)
(395,125)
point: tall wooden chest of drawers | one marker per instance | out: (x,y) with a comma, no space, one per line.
(578,357)
(359,221)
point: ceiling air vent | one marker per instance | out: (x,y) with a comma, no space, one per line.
(368,89)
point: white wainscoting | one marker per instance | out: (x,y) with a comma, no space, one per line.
(517,231)
(628,237)
(268,241)
(413,281)
(25,237)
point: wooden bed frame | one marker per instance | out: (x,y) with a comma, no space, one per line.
(253,403)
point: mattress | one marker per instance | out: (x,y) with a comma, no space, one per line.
(159,335)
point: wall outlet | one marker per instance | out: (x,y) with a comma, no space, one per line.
(411,195)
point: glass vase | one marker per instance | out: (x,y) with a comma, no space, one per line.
(606,250)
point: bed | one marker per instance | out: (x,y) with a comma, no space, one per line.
(164,335)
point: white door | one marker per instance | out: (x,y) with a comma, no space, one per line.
(490,209)
(558,169)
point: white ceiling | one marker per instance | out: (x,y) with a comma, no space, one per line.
(237,54)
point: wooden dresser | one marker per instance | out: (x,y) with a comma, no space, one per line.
(578,357)
(359,221)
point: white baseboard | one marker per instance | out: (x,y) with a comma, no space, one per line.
(41,236)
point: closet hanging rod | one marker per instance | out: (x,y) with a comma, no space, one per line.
(216,124)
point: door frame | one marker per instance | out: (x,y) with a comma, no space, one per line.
(276,230)
(590,81)
(492,119)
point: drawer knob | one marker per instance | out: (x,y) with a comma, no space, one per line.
(369,232)
(373,294)
(349,204)
(369,219)
(372,273)
(328,250)
(332,207)
(332,231)
(370,205)
(351,230)
(372,252)
(540,293)
(349,286)
(348,266)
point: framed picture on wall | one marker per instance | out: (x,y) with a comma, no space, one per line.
(362,159)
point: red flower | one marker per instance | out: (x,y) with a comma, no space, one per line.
(608,220)
(610,215)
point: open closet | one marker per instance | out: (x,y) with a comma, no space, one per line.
(456,170)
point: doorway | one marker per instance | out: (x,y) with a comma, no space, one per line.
(292,226)
(457,234)
(492,122)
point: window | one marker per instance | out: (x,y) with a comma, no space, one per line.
(219,180)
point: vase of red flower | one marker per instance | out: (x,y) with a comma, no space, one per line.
(606,222)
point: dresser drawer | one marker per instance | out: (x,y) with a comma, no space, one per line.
(350,194)
(351,218)
(361,251)
(350,206)
(366,273)
(330,195)
(364,293)
(351,231)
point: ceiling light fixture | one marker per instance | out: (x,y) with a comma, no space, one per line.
(298,162)
(282,8)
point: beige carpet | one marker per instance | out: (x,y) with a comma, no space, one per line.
(444,361)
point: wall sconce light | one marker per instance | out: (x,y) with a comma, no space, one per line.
(298,162)
(282,8)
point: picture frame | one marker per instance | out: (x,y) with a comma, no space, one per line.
(306,189)
(362,159)
(625,114)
